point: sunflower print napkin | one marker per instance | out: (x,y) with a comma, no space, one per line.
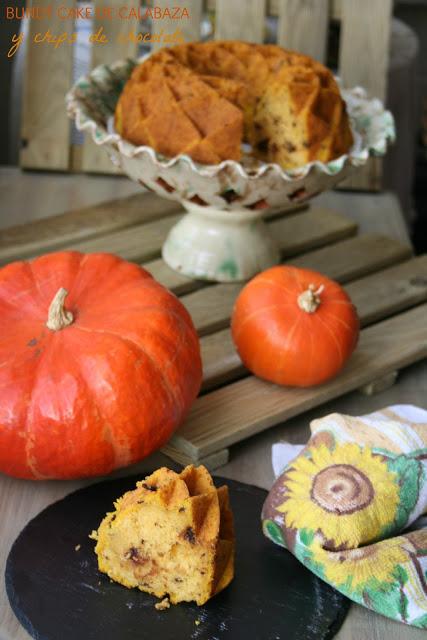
(341,503)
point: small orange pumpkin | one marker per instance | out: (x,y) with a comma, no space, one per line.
(294,326)
(99,365)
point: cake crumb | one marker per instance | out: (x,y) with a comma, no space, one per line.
(197,622)
(77,547)
(163,604)
(93,535)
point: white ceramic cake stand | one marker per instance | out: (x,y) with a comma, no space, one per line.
(223,237)
(220,245)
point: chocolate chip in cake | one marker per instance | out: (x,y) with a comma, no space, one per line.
(189,535)
(132,554)
(289,146)
(149,487)
(262,145)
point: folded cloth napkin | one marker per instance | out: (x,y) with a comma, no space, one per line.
(340,503)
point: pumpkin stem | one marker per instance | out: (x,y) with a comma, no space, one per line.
(58,318)
(309,300)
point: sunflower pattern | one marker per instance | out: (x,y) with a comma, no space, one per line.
(337,507)
(336,488)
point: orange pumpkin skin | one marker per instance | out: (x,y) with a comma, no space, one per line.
(280,341)
(103,392)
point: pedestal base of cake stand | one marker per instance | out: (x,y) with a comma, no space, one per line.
(220,245)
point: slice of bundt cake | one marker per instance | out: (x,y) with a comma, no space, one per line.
(171,536)
(300,117)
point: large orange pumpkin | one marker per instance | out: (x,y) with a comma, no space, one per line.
(98,365)
(294,326)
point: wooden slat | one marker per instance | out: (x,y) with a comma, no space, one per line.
(223,417)
(65,229)
(221,362)
(48,233)
(312,228)
(356,257)
(45,128)
(188,28)
(303,26)
(137,244)
(367,178)
(334,8)
(364,45)
(143,243)
(211,308)
(211,462)
(363,60)
(93,157)
(376,297)
(171,279)
(240,20)
(390,291)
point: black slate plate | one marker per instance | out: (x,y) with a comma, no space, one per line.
(57,592)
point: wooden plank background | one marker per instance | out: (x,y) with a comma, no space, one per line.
(141,243)
(45,127)
(363,60)
(303,26)
(240,20)
(57,231)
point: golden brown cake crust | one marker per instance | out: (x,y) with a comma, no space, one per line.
(205,99)
(171,536)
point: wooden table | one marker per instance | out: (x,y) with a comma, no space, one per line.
(251,460)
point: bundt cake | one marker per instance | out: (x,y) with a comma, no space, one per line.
(205,99)
(171,536)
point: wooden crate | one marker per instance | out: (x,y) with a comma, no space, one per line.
(387,284)
(303,26)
